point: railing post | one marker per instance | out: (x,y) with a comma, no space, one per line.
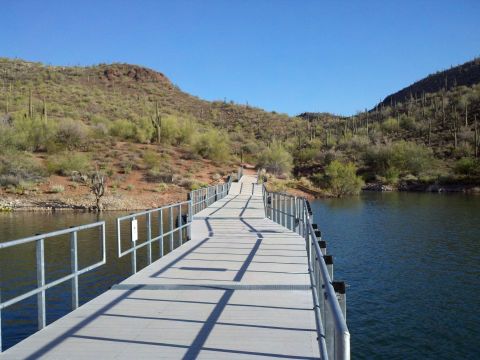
(277,208)
(292,214)
(329,262)
(323,246)
(40,252)
(270,196)
(301,212)
(74,267)
(308,245)
(180,220)
(329,321)
(273,200)
(171,227)
(149,237)
(1,344)
(134,241)
(189,221)
(340,290)
(160,231)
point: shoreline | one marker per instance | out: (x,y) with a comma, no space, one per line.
(22,203)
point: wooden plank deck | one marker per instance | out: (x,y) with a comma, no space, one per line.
(239,289)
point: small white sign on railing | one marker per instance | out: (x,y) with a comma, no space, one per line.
(134,230)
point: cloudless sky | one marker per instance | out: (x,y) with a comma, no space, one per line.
(285,55)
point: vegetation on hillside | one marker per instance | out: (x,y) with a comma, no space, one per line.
(427,138)
(67,121)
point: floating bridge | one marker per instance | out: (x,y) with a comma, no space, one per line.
(246,275)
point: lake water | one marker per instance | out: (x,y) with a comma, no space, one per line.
(411,262)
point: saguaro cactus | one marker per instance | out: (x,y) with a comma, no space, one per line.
(44,111)
(157,123)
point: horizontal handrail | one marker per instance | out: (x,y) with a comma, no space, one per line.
(121,218)
(182,222)
(203,197)
(42,285)
(342,334)
(11,243)
(294,213)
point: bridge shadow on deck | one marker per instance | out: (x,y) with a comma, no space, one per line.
(198,344)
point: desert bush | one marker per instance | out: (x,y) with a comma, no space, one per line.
(198,185)
(32,134)
(304,156)
(407,123)
(72,134)
(213,145)
(68,163)
(390,125)
(467,166)
(17,167)
(126,166)
(186,132)
(463,150)
(123,129)
(57,189)
(161,188)
(143,130)
(164,175)
(405,157)
(276,159)
(341,179)
(151,159)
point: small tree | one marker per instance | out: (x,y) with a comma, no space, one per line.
(342,179)
(97,182)
(276,159)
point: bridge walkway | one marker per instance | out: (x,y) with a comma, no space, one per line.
(238,289)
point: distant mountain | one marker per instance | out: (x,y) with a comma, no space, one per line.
(467,74)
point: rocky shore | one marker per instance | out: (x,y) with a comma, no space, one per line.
(118,202)
(424,187)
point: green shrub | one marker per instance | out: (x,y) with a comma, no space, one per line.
(390,125)
(151,159)
(72,134)
(407,123)
(57,189)
(195,185)
(17,167)
(405,157)
(32,134)
(341,179)
(467,166)
(186,132)
(161,188)
(160,175)
(123,129)
(143,130)
(276,159)
(68,163)
(213,145)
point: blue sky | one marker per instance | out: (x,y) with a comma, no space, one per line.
(288,56)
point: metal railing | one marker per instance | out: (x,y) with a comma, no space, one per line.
(173,222)
(174,218)
(328,296)
(204,197)
(239,173)
(42,285)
